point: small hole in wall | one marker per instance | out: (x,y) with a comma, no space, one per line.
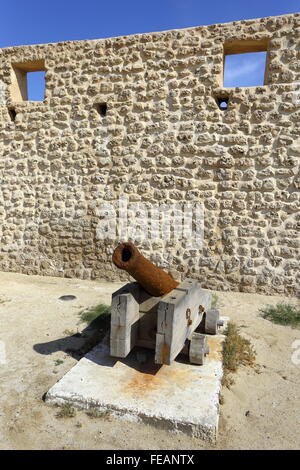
(101,108)
(12,114)
(223,103)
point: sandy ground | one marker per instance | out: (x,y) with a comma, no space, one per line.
(260,411)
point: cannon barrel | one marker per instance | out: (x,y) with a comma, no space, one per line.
(154,280)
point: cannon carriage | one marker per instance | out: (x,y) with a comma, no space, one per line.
(176,320)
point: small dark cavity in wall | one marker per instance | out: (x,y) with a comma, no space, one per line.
(223,103)
(12,114)
(101,108)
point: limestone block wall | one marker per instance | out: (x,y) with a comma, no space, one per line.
(139,116)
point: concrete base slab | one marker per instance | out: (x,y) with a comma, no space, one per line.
(181,397)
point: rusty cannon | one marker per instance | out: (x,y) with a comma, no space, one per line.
(154,280)
(159,313)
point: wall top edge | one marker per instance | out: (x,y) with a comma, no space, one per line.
(245,22)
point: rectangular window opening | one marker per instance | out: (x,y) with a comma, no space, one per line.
(245,63)
(36,86)
(28,81)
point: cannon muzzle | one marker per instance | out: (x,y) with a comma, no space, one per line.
(154,280)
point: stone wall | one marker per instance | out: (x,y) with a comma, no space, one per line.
(162,137)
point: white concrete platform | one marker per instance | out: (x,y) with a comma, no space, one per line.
(181,397)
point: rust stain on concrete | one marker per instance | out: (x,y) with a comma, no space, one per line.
(143,384)
(215,347)
(164,353)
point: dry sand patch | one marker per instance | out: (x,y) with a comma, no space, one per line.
(260,411)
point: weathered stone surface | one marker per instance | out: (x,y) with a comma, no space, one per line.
(163,139)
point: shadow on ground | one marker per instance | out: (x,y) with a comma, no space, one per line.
(78,344)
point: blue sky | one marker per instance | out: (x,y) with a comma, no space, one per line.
(43,21)
(245,69)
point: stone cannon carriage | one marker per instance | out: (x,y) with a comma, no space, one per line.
(159,313)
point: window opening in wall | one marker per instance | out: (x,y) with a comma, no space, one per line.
(101,108)
(245,63)
(28,81)
(12,114)
(245,70)
(36,86)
